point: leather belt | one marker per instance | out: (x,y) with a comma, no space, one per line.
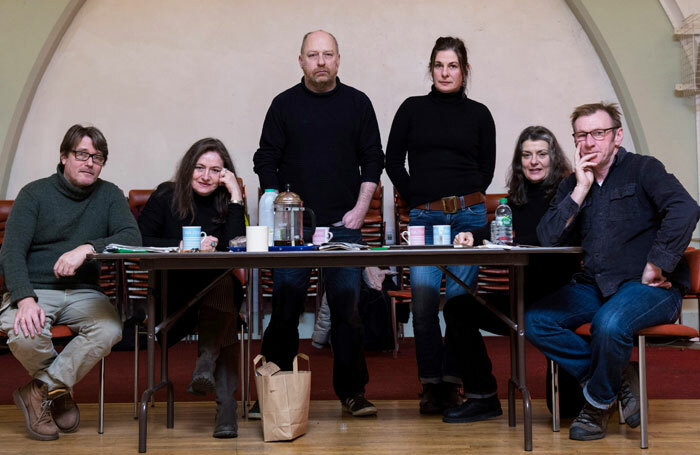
(451,204)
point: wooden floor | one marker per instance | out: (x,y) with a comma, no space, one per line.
(399,429)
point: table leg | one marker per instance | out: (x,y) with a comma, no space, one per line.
(520,314)
(154,277)
(249,339)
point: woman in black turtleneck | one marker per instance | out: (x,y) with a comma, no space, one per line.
(537,168)
(450,141)
(204,193)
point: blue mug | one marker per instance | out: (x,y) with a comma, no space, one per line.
(442,234)
(192,237)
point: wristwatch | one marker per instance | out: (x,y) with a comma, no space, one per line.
(236,201)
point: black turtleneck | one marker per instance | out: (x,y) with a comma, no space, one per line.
(160,226)
(545,273)
(324,145)
(451,145)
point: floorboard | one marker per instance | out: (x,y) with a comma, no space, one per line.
(399,429)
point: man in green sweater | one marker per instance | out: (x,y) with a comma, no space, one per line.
(54,224)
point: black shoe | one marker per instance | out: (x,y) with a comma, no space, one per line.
(254,411)
(431,399)
(473,410)
(590,424)
(629,395)
(359,406)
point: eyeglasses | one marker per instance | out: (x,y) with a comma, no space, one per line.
(598,135)
(97,158)
(214,171)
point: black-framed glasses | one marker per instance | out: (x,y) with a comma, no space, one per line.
(97,158)
(597,135)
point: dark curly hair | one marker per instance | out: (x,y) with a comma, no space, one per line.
(559,166)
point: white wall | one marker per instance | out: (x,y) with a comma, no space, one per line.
(157,75)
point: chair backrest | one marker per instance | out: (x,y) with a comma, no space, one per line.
(5,207)
(137,201)
(693,258)
(492,203)
(373,226)
(401,216)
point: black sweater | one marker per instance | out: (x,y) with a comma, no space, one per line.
(451,145)
(323,144)
(160,226)
(545,273)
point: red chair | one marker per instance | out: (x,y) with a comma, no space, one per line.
(57,331)
(667,335)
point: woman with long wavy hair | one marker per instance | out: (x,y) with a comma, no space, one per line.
(204,193)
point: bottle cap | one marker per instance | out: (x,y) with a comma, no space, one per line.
(503,200)
(270,190)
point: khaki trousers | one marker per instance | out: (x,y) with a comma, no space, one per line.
(87,312)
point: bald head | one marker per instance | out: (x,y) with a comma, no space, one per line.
(319,33)
(319,60)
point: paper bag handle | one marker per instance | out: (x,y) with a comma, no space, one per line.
(257,360)
(296,361)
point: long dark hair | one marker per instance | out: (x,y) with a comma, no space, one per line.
(449,43)
(559,166)
(183,197)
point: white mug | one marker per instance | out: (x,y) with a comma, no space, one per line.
(414,235)
(322,235)
(256,238)
(442,234)
(192,237)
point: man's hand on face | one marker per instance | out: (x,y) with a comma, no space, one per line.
(30,317)
(69,262)
(653,276)
(355,218)
(584,174)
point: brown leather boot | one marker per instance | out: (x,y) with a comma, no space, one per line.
(64,410)
(32,399)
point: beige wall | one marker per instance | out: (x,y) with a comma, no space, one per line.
(29,32)
(644,62)
(155,76)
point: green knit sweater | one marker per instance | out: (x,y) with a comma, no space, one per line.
(50,217)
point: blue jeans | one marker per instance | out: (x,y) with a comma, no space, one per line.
(598,364)
(342,284)
(436,362)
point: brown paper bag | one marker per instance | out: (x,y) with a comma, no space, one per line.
(284,401)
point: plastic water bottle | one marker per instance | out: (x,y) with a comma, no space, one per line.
(502,224)
(266,213)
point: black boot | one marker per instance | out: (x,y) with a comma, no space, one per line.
(212,325)
(225,424)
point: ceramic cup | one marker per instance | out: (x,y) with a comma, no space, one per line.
(322,235)
(192,237)
(414,235)
(256,238)
(442,234)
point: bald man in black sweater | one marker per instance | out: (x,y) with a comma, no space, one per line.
(321,138)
